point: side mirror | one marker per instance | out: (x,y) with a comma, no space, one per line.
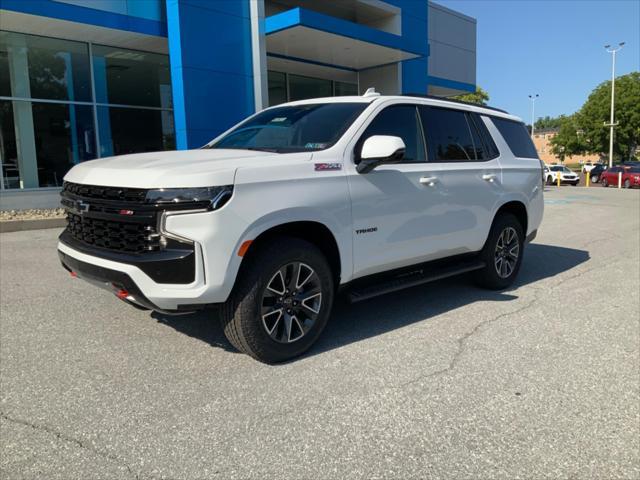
(378,150)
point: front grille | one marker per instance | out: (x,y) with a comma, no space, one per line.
(118,194)
(111,218)
(113,235)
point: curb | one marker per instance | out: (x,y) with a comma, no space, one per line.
(39,224)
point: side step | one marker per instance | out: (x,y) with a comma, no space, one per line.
(424,274)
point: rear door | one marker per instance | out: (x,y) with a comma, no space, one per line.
(469,174)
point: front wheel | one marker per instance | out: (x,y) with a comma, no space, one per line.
(502,253)
(549,180)
(627,183)
(281,301)
(605,183)
(594,178)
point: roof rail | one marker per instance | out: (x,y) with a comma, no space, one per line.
(435,97)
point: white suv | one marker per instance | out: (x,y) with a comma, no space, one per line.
(365,195)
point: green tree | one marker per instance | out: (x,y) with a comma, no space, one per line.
(595,113)
(480,96)
(548,122)
(570,139)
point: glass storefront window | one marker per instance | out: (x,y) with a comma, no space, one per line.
(134,130)
(343,88)
(301,87)
(8,148)
(64,136)
(128,77)
(277,88)
(40,141)
(285,87)
(47,68)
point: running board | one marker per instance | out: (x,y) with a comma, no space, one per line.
(425,274)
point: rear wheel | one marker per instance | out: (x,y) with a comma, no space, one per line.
(627,183)
(281,302)
(502,253)
(594,178)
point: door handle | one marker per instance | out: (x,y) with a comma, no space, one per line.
(430,181)
(489,177)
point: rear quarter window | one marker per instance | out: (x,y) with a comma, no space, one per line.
(516,136)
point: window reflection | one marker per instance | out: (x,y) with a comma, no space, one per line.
(134,130)
(129,77)
(52,69)
(64,136)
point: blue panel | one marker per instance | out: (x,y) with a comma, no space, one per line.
(444,82)
(239,8)
(74,13)
(211,69)
(414,76)
(151,9)
(306,18)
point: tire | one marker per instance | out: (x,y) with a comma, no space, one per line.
(627,183)
(260,301)
(594,179)
(575,184)
(605,183)
(549,180)
(490,277)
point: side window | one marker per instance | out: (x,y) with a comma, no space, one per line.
(490,147)
(400,121)
(516,136)
(448,135)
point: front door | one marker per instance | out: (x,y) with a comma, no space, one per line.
(399,211)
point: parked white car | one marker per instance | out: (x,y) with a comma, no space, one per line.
(365,195)
(566,175)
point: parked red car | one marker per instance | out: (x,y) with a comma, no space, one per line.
(630,177)
(610,176)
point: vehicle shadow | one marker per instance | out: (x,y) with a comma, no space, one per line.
(353,323)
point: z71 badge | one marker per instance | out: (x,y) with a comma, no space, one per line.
(322,167)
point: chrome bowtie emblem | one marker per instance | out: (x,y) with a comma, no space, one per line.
(82,207)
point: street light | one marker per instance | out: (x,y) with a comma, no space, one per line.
(611,124)
(533,109)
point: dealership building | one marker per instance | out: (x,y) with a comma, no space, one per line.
(84,79)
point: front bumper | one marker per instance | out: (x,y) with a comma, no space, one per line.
(118,283)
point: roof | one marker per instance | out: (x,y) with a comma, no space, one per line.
(418,98)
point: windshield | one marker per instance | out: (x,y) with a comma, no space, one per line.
(296,128)
(560,169)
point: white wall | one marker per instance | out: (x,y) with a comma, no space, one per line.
(386,79)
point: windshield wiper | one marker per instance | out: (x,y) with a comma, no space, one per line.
(256,149)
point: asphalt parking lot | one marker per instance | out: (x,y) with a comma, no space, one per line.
(440,381)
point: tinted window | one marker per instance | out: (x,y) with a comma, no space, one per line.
(634,170)
(293,128)
(517,137)
(448,135)
(399,121)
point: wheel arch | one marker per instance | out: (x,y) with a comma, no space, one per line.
(314,232)
(518,209)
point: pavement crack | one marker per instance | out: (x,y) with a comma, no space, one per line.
(461,342)
(69,439)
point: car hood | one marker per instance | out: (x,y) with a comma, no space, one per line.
(185,168)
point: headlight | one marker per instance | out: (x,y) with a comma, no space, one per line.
(199,197)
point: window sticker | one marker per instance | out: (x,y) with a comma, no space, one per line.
(315,145)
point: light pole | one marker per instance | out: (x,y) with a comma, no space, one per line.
(533,110)
(611,124)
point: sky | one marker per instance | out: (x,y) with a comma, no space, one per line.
(554,48)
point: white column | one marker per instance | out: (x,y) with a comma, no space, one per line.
(22,113)
(259,55)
